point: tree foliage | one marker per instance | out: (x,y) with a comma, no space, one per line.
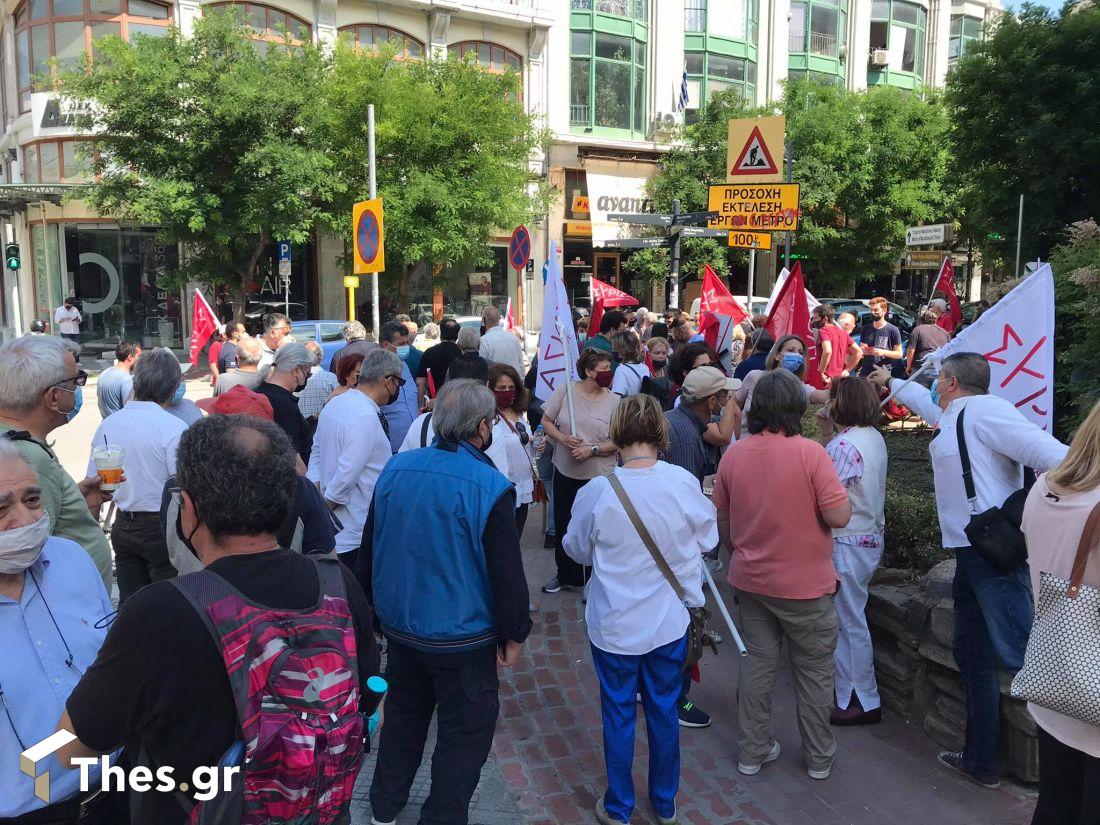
(454,147)
(869,164)
(1024,107)
(1076,266)
(212,140)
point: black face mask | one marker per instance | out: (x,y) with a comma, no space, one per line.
(179,532)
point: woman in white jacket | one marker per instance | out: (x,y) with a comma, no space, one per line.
(637,625)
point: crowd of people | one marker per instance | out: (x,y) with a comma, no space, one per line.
(286,514)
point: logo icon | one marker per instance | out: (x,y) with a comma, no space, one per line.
(29,759)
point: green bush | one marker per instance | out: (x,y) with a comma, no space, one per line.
(912,527)
(1076,265)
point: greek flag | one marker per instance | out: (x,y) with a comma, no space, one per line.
(682,103)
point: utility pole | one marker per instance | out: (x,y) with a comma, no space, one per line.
(674,287)
(787,251)
(1019,236)
(375,315)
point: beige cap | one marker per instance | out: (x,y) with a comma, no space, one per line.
(704,381)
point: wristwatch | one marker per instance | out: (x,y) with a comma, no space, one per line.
(595,451)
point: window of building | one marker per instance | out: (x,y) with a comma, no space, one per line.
(818,27)
(900,28)
(637,9)
(271,25)
(607,81)
(710,73)
(371,36)
(695,15)
(965,30)
(489,56)
(64,30)
(58,161)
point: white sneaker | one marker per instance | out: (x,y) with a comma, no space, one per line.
(374,821)
(820,774)
(749,769)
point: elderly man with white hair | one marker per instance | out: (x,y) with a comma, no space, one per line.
(41,389)
(943,318)
(498,345)
(52,607)
(148,435)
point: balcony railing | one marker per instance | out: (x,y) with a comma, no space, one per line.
(695,20)
(578,115)
(623,8)
(814,43)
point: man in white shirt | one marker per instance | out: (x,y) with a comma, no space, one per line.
(68,318)
(351,447)
(993,610)
(498,345)
(148,435)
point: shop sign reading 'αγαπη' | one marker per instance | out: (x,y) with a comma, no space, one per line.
(766,207)
(610,203)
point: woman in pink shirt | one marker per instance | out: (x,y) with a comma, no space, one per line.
(1054,518)
(778,530)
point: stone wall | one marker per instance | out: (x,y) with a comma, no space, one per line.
(912,625)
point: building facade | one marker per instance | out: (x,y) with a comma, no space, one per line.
(606,77)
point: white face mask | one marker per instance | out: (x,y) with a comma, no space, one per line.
(21,547)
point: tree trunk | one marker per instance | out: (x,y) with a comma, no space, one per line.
(404,283)
(238,292)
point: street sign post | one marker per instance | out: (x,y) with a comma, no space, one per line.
(284,272)
(699,231)
(643,218)
(925,258)
(765,207)
(922,235)
(750,240)
(351,283)
(645,243)
(519,254)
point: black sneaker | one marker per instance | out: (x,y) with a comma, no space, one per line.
(954,760)
(691,716)
(552,586)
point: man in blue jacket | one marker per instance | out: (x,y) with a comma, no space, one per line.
(440,561)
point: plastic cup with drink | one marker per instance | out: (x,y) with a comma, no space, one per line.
(108,465)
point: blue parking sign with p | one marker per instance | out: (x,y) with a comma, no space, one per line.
(284,250)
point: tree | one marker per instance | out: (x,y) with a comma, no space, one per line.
(1024,108)
(454,148)
(1076,266)
(211,139)
(869,164)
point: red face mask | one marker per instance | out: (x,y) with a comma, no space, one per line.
(604,378)
(505,398)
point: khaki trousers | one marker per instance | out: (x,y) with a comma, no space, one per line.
(809,627)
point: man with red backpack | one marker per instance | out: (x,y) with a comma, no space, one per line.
(258,660)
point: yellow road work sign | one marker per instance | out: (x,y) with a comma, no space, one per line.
(767,207)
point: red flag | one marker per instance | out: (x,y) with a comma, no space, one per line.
(610,296)
(431,385)
(595,318)
(509,318)
(203,324)
(945,283)
(791,316)
(716,297)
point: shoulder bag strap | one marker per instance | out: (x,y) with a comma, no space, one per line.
(647,539)
(424,430)
(964,457)
(1088,538)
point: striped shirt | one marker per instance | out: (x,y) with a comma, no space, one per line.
(685,441)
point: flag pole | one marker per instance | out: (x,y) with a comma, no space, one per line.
(737,640)
(568,384)
(924,367)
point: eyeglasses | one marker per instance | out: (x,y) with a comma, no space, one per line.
(81,378)
(400,381)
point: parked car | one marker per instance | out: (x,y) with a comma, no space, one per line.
(898,315)
(329,334)
(255,311)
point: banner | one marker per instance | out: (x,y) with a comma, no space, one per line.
(718,313)
(945,283)
(558,338)
(616,187)
(596,318)
(1016,337)
(610,296)
(203,324)
(790,315)
(811,301)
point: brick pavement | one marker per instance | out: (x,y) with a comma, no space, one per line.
(548,745)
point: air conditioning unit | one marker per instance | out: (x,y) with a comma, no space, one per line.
(880,57)
(665,122)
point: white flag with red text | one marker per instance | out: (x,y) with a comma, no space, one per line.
(203,324)
(1016,336)
(558,337)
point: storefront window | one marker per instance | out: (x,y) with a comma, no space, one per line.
(710,73)
(608,82)
(69,29)
(965,31)
(900,28)
(371,36)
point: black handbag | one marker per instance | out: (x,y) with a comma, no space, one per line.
(995,533)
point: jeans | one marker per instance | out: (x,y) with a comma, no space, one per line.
(993,615)
(141,553)
(657,676)
(545,465)
(463,698)
(1069,785)
(855,558)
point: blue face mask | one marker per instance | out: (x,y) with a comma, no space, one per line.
(78,400)
(403,351)
(935,392)
(181,391)
(793,361)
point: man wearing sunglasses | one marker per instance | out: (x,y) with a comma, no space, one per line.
(41,389)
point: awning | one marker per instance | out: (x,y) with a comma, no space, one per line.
(16,197)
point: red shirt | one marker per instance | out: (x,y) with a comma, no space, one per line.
(212,356)
(781,546)
(839,340)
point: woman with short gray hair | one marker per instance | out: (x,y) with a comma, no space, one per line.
(469,340)
(781,564)
(147,434)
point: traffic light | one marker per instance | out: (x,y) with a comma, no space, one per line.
(11,254)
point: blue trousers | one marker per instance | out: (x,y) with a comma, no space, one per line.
(993,615)
(658,676)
